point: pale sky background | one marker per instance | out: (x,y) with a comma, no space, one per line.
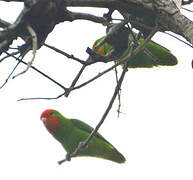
(154,133)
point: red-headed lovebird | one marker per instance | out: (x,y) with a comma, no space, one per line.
(70,132)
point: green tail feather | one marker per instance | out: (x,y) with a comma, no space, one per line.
(103,150)
(163,57)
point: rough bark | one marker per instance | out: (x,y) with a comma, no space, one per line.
(147,10)
(43,15)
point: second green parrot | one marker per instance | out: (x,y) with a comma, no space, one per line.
(159,55)
(70,132)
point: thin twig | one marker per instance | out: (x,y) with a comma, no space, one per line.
(187,9)
(97,76)
(37,70)
(75,80)
(12,54)
(65,54)
(74,58)
(9,76)
(13,0)
(4,24)
(34,47)
(119,93)
(42,98)
(178,39)
(74,88)
(187,2)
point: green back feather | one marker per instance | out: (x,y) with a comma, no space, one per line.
(86,128)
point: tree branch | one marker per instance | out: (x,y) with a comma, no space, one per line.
(171,18)
(13,0)
(187,2)
(89,17)
(64,53)
(45,75)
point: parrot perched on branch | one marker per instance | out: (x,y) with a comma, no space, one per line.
(158,55)
(70,132)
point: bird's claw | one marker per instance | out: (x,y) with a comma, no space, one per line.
(68,158)
(82,146)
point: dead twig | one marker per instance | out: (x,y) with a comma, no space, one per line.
(179,39)
(9,75)
(119,93)
(89,17)
(12,54)
(4,24)
(42,98)
(75,80)
(37,70)
(187,2)
(187,9)
(65,54)
(34,47)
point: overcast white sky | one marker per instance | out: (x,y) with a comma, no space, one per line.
(155,131)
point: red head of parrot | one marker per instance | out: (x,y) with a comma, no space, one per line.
(51,123)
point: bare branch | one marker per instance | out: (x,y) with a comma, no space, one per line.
(9,55)
(187,2)
(89,17)
(9,75)
(97,76)
(42,98)
(34,47)
(4,24)
(119,93)
(171,18)
(68,90)
(37,70)
(178,39)
(13,0)
(64,53)
(75,80)
(187,9)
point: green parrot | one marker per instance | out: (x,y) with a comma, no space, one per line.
(159,55)
(70,132)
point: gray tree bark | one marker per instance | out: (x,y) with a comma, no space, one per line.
(147,10)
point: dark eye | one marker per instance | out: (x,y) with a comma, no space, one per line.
(51,113)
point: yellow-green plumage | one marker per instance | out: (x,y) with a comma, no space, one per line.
(72,131)
(161,55)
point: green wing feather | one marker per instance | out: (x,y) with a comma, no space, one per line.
(86,128)
(163,56)
(98,146)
